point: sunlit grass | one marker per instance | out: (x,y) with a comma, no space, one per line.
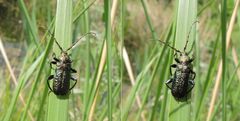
(122,71)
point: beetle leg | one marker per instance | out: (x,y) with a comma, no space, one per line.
(172,66)
(191,59)
(73,70)
(175,55)
(169,83)
(190,85)
(56,59)
(52,62)
(74,79)
(194,75)
(50,78)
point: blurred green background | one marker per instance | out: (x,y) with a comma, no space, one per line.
(122,70)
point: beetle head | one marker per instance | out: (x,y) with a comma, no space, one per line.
(183,58)
(65,57)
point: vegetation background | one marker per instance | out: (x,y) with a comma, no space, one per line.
(123,68)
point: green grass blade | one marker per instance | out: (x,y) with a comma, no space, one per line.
(88,64)
(58,106)
(35,84)
(121,37)
(187,11)
(43,102)
(79,14)
(161,82)
(29,23)
(139,81)
(94,87)
(22,80)
(165,113)
(105,89)
(209,77)
(154,35)
(107,19)
(115,97)
(224,60)
(150,25)
(229,83)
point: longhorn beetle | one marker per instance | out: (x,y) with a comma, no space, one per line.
(182,82)
(63,71)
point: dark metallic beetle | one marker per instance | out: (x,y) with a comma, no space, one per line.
(63,72)
(182,82)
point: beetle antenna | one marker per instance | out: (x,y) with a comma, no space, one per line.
(89,33)
(169,46)
(52,35)
(185,47)
(191,48)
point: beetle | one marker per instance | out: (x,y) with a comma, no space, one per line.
(63,72)
(182,81)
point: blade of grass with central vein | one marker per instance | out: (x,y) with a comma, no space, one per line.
(58,106)
(107,19)
(187,11)
(224,30)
